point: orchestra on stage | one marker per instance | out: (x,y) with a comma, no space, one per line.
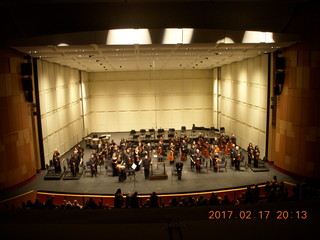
(128,157)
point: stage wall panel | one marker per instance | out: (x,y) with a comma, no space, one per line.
(121,101)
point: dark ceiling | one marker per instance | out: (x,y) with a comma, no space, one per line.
(21,19)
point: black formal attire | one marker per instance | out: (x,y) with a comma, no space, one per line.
(179,166)
(198,157)
(146,164)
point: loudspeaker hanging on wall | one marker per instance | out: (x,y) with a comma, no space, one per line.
(277,89)
(280,63)
(280,77)
(29,96)
(27,84)
(26,69)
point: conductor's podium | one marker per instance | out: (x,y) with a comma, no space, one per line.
(158,171)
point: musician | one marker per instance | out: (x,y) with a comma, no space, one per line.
(179,166)
(215,141)
(238,159)
(251,156)
(148,149)
(123,144)
(73,165)
(137,158)
(184,150)
(234,153)
(233,139)
(256,160)
(215,161)
(93,167)
(114,163)
(80,150)
(171,154)
(160,154)
(198,158)
(56,161)
(146,165)
(193,152)
(249,148)
(256,150)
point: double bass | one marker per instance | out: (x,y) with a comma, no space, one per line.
(171,155)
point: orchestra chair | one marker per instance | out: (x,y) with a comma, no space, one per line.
(133,132)
(172,130)
(261,163)
(204,166)
(66,164)
(50,168)
(86,169)
(222,130)
(244,164)
(222,165)
(170,135)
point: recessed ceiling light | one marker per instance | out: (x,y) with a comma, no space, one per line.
(63,45)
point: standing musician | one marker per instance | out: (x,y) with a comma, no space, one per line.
(238,157)
(114,162)
(73,165)
(148,150)
(215,161)
(184,150)
(128,160)
(222,141)
(80,150)
(251,156)
(198,160)
(192,153)
(56,161)
(234,153)
(137,158)
(121,166)
(249,148)
(171,154)
(160,153)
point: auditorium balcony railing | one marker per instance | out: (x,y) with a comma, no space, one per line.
(108,200)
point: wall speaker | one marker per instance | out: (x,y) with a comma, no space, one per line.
(29,96)
(280,63)
(27,84)
(26,69)
(277,89)
(280,77)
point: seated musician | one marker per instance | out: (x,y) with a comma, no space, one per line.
(233,139)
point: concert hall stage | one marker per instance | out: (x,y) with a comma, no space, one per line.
(104,183)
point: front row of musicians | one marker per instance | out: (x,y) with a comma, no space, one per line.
(126,159)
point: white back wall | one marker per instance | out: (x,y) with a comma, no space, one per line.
(241,94)
(59,91)
(121,101)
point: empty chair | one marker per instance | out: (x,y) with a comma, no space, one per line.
(133,132)
(170,135)
(171,130)
(142,131)
(222,165)
(183,129)
(222,129)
